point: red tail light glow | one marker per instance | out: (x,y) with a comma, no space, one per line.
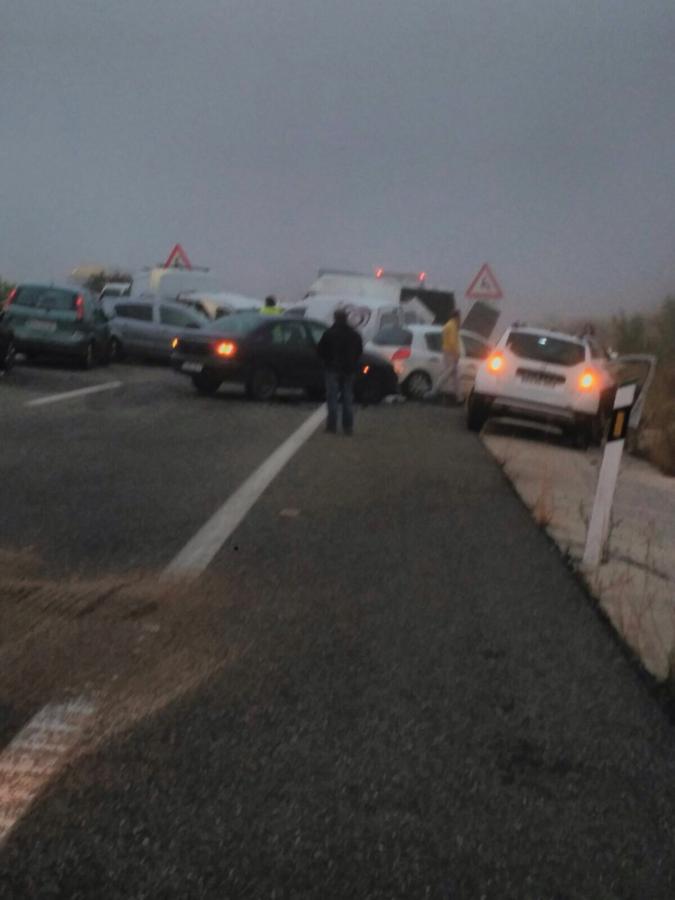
(401,353)
(379,273)
(587,380)
(422,276)
(79,307)
(11,296)
(495,363)
(226,348)
(366,369)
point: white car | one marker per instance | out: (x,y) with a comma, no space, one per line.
(545,376)
(415,352)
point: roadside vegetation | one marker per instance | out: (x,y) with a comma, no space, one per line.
(654,334)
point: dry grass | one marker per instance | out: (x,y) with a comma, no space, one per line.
(131,642)
(659,420)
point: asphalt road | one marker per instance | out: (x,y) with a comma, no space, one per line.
(417,698)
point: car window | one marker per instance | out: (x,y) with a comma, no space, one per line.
(289,334)
(138,311)
(316,331)
(45,298)
(296,311)
(544,348)
(434,341)
(474,348)
(239,323)
(388,320)
(394,336)
(177,318)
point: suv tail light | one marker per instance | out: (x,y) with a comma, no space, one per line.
(587,380)
(401,353)
(495,363)
(79,307)
(10,297)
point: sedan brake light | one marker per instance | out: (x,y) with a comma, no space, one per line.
(226,348)
(401,353)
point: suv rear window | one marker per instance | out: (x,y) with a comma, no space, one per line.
(45,298)
(393,337)
(475,349)
(139,311)
(542,348)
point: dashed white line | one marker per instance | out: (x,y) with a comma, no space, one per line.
(36,754)
(80,392)
(200,550)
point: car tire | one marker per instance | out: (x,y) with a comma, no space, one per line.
(262,383)
(206,384)
(369,392)
(10,356)
(116,351)
(477,413)
(88,357)
(417,385)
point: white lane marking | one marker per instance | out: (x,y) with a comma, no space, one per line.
(200,550)
(36,754)
(80,392)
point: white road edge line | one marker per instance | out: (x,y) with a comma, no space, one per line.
(80,392)
(35,756)
(200,550)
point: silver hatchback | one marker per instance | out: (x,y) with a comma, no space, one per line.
(147,328)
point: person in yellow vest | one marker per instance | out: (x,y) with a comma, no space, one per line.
(451,350)
(270,307)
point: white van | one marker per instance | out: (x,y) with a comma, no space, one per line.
(216,304)
(367,314)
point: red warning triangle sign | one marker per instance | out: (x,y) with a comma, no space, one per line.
(177,259)
(484,286)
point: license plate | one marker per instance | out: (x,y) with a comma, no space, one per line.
(192,367)
(41,325)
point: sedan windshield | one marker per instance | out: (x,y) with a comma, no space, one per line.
(542,348)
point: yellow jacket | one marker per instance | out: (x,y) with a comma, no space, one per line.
(451,337)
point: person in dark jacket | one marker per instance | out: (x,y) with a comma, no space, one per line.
(340,348)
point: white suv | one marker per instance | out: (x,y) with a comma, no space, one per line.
(545,376)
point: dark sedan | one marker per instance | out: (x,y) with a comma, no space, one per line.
(7,351)
(264,354)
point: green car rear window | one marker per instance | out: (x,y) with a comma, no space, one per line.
(45,298)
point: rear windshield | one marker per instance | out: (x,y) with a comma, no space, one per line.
(239,323)
(393,337)
(542,348)
(45,298)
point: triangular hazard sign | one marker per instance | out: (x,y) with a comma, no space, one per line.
(177,259)
(484,286)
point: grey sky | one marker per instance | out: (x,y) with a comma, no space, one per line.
(272,137)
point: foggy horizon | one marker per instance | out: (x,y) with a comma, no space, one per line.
(272,139)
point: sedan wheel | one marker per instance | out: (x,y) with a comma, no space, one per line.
(206,384)
(10,356)
(262,384)
(416,385)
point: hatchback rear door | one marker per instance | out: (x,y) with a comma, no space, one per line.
(45,313)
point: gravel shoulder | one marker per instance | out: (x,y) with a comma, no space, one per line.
(635,585)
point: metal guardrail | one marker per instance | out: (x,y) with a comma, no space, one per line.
(647,359)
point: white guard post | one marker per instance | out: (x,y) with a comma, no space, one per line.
(598,527)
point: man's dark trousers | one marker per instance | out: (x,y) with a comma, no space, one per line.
(340,388)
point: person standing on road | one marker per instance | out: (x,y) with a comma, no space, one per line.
(270,307)
(340,348)
(450,346)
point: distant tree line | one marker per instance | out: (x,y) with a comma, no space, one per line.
(637,333)
(96,281)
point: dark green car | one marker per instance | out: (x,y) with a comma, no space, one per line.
(58,321)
